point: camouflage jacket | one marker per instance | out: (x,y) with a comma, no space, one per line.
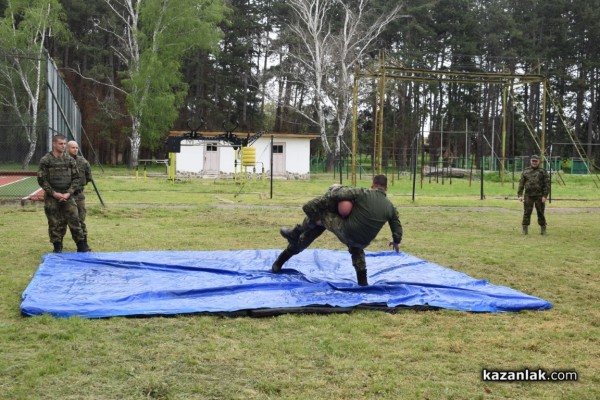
(58,174)
(371,209)
(85,171)
(535,182)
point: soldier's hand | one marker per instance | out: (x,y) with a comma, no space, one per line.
(520,198)
(396,246)
(543,199)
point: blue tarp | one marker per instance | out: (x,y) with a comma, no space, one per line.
(96,285)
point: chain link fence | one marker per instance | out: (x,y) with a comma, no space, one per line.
(20,151)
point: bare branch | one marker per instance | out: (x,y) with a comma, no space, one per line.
(329,56)
(94,80)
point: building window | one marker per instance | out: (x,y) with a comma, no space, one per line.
(277,149)
(211,147)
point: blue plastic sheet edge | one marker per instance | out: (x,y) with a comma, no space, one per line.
(100,285)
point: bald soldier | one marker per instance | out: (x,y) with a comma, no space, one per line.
(59,178)
(85,176)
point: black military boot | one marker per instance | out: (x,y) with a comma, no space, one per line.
(359,264)
(525,229)
(82,246)
(543,230)
(292,235)
(58,247)
(361,277)
(283,257)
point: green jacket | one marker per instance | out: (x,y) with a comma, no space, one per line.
(85,171)
(371,209)
(535,182)
(58,174)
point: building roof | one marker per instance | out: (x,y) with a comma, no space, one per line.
(309,136)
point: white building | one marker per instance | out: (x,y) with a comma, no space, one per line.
(206,157)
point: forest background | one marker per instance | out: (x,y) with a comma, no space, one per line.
(140,68)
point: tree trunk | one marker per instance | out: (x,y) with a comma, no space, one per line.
(30,153)
(323,128)
(135,142)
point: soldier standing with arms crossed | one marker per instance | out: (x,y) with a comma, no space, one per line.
(535,181)
(58,177)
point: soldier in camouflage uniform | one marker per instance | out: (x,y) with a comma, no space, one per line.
(85,176)
(535,182)
(370,211)
(58,176)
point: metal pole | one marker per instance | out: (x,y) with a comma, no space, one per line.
(354,133)
(504,89)
(442,147)
(543,140)
(422,153)
(550,171)
(381,107)
(493,163)
(466,142)
(415,147)
(480,146)
(98,193)
(271,166)
(341,167)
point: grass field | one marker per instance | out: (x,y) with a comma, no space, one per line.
(364,354)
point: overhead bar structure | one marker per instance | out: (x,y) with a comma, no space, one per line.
(384,72)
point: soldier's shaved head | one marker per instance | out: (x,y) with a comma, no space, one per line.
(73,148)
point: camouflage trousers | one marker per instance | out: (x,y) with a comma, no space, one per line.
(59,212)
(529,202)
(334,223)
(81,211)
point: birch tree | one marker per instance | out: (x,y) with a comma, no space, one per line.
(24,31)
(152,37)
(334,36)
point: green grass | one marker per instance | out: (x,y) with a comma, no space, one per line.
(20,187)
(364,354)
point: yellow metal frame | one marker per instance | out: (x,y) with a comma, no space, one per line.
(384,72)
(246,157)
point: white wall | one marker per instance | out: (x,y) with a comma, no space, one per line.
(297,154)
(191,158)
